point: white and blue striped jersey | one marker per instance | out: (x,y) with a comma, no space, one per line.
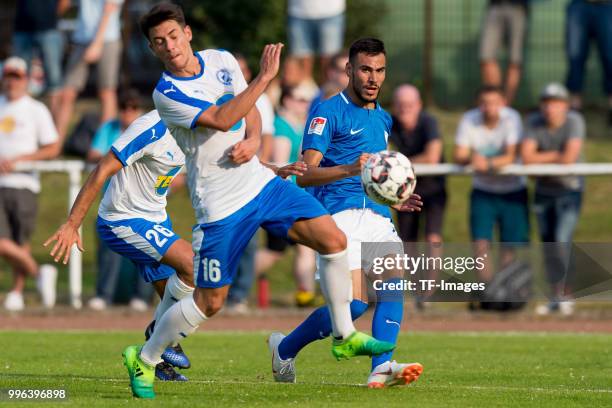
(218,187)
(151,159)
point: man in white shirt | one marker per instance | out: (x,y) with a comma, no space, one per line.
(208,107)
(487,139)
(27,133)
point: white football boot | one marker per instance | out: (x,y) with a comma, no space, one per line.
(282,370)
(392,373)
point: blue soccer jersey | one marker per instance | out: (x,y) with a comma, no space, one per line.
(342,131)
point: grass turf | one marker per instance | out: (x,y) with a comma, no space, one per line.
(233,369)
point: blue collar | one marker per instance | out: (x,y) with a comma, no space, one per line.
(349,101)
(196,76)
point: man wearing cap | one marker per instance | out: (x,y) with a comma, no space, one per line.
(555,135)
(27,133)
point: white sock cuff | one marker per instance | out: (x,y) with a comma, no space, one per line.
(177,288)
(331,257)
(192,314)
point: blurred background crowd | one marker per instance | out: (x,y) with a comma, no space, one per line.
(519,74)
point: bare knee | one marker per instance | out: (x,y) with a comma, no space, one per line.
(334,242)
(5,246)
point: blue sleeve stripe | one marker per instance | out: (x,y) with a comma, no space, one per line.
(118,156)
(168,89)
(194,122)
(152,134)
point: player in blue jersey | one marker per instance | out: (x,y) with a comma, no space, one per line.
(343,131)
(210,111)
(132,218)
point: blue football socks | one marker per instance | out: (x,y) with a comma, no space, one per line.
(387,319)
(317,326)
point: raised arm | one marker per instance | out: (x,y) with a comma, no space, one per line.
(68,233)
(225,116)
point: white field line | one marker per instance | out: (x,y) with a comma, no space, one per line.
(428,386)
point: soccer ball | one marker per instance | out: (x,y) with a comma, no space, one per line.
(388,177)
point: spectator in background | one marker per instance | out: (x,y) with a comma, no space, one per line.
(487,139)
(555,135)
(315,27)
(110,262)
(289,129)
(335,79)
(586,20)
(97,40)
(36,30)
(237,299)
(503,19)
(415,134)
(27,133)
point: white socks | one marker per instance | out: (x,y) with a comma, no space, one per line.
(182,319)
(175,290)
(337,287)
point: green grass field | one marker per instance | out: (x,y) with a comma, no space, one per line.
(233,369)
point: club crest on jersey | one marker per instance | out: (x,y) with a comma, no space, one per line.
(163,182)
(317,125)
(224,76)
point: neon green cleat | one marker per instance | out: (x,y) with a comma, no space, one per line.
(359,344)
(141,374)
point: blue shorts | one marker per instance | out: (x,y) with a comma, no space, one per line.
(218,245)
(141,241)
(323,36)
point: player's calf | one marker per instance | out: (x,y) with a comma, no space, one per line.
(210,300)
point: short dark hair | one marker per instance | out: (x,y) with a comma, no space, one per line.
(158,14)
(368,46)
(485,89)
(130,98)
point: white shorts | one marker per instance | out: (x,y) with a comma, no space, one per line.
(364,225)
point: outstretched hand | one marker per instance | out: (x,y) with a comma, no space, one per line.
(294,169)
(269,64)
(412,204)
(355,168)
(66,236)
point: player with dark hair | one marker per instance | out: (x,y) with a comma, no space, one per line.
(344,130)
(207,105)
